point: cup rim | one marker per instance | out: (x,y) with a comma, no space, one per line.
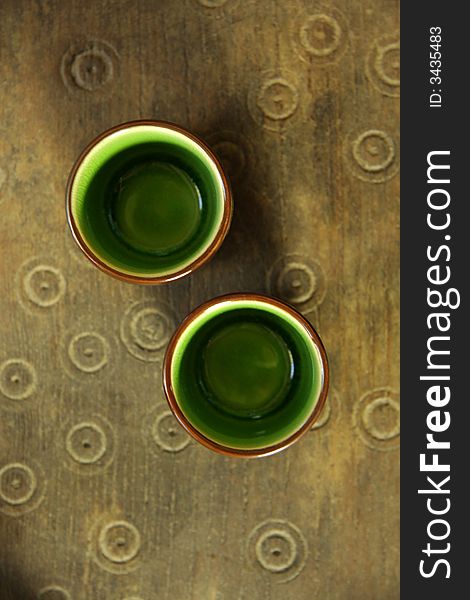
(195,433)
(187,269)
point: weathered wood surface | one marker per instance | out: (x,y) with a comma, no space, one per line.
(101,494)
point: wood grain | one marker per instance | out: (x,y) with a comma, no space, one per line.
(101,495)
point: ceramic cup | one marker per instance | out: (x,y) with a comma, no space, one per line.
(148,202)
(246,375)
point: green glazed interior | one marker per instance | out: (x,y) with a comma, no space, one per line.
(147,200)
(246,374)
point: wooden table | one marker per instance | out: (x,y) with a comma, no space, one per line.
(102,495)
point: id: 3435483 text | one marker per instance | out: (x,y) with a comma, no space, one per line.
(435,67)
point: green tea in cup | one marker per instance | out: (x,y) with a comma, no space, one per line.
(246,375)
(148,202)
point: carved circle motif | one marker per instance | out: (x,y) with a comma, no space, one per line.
(146,329)
(298,280)
(376,418)
(371,419)
(44,285)
(372,156)
(17,379)
(214,8)
(278,548)
(162,431)
(212,3)
(22,487)
(373,150)
(86,443)
(387,64)
(274,100)
(116,545)
(88,355)
(89,351)
(54,592)
(89,444)
(168,433)
(17,483)
(119,541)
(383,65)
(89,66)
(277,98)
(40,285)
(321,37)
(92,68)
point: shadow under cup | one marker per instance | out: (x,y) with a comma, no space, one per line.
(148,202)
(246,375)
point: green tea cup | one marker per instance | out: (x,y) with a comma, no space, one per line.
(148,202)
(246,375)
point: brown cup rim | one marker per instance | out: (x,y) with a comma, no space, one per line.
(205,441)
(197,262)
